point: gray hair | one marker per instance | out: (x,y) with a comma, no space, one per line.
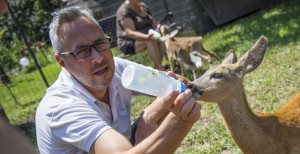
(66,15)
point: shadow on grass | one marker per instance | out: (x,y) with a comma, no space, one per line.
(28,129)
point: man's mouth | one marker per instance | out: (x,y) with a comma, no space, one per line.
(102,71)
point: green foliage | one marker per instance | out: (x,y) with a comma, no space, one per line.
(33,18)
(9,56)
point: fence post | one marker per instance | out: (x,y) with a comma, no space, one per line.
(166,6)
(4,78)
(5,81)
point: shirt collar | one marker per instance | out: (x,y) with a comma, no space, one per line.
(71,82)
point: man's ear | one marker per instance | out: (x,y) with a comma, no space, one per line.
(60,60)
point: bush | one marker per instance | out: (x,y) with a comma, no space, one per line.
(34,17)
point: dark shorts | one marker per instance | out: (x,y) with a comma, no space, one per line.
(130,47)
(133,130)
(126,46)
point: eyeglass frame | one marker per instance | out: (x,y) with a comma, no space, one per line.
(90,49)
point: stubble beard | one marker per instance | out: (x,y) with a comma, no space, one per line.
(90,80)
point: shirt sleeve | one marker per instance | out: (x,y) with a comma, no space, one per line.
(121,64)
(126,13)
(145,6)
(78,124)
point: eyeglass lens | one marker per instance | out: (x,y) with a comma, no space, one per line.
(86,51)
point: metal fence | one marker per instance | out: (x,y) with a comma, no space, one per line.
(22,88)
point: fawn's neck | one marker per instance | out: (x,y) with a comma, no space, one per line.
(242,124)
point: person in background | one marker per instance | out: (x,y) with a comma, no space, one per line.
(134,19)
(87,110)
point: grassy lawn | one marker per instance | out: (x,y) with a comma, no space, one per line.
(267,88)
(28,89)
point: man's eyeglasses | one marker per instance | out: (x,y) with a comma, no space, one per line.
(85,52)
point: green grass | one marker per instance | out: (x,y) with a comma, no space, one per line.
(267,88)
(28,89)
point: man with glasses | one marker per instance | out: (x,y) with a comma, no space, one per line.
(87,110)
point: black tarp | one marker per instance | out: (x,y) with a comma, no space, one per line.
(222,11)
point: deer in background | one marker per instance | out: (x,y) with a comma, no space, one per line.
(179,48)
(197,48)
(270,133)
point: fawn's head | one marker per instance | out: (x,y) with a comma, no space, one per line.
(169,31)
(221,82)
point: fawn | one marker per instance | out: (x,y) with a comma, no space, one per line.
(271,133)
(197,48)
(179,48)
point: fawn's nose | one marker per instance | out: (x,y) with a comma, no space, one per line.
(190,86)
(194,88)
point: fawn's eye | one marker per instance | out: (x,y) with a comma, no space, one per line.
(217,76)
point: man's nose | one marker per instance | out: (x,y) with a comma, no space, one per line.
(95,55)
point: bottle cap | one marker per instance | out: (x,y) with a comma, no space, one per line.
(182,85)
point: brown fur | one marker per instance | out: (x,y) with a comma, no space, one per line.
(197,48)
(274,133)
(179,48)
(180,51)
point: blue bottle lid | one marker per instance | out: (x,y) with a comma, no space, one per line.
(182,85)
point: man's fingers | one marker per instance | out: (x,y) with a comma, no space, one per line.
(169,99)
(195,114)
(188,106)
(171,74)
(181,100)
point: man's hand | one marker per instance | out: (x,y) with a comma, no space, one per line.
(160,107)
(184,106)
(177,76)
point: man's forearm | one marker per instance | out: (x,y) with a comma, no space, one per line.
(150,119)
(166,138)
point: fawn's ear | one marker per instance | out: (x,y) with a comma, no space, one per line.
(253,58)
(163,29)
(174,33)
(230,58)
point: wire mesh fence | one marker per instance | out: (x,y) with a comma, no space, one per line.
(23,88)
